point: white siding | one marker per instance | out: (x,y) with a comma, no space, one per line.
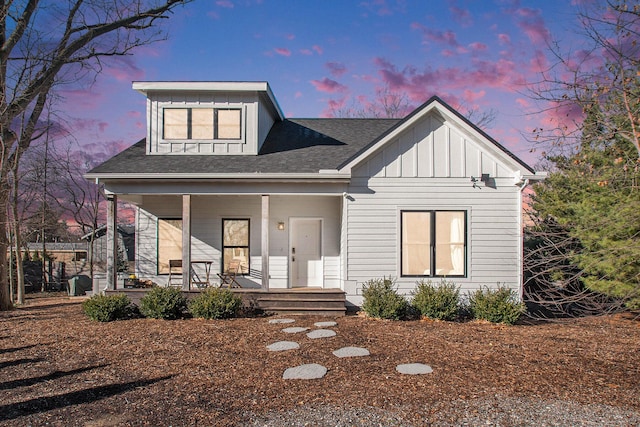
(255,123)
(207,214)
(429,167)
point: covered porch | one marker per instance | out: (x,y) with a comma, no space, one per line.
(280,241)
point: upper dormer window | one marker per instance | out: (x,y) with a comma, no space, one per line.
(202,123)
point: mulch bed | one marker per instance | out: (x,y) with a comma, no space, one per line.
(59,368)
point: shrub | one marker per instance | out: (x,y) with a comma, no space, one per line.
(382,300)
(215,303)
(163,303)
(106,308)
(440,301)
(498,306)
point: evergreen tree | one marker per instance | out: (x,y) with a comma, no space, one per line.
(593,199)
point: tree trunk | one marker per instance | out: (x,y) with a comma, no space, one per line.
(5,293)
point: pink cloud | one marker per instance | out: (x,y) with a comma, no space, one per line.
(472,97)
(504,38)
(290,36)
(477,46)
(225,3)
(336,69)
(328,85)
(502,75)
(461,16)
(282,51)
(213,15)
(318,49)
(297,95)
(447,37)
(306,52)
(103,126)
(532,24)
(333,107)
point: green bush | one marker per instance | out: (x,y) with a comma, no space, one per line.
(440,301)
(382,300)
(501,305)
(215,303)
(106,308)
(163,303)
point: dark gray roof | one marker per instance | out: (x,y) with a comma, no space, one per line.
(292,146)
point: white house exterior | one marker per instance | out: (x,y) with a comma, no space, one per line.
(330,203)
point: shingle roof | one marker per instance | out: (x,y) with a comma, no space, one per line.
(292,146)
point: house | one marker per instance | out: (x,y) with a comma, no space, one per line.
(126,246)
(223,176)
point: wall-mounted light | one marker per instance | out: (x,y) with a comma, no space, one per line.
(280,225)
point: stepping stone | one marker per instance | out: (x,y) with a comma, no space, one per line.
(283,346)
(325,324)
(294,330)
(321,333)
(311,371)
(351,352)
(414,369)
(276,321)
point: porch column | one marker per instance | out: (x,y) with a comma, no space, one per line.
(186,242)
(112,241)
(265,242)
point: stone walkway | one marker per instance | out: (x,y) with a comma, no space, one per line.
(313,370)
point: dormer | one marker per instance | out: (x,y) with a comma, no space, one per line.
(208,118)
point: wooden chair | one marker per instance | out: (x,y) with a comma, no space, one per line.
(228,278)
(175,272)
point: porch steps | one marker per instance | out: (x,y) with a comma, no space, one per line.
(320,302)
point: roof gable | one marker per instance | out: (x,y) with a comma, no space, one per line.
(435,141)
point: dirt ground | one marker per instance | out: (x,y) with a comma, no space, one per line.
(59,368)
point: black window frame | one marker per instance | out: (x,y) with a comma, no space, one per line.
(433,243)
(246,270)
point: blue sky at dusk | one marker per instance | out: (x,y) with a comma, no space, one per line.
(320,56)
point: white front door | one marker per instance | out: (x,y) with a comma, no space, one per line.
(306,252)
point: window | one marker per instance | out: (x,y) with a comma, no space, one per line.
(201,123)
(169,243)
(433,243)
(235,243)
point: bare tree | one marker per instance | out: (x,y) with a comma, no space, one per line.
(387,103)
(393,104)
(605,67)
(47,44)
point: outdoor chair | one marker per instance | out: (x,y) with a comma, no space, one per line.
(175,272)
(228,278)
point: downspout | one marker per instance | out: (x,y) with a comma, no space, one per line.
(521,241)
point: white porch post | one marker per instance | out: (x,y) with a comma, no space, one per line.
(112,241)
(265,242)
(186,242)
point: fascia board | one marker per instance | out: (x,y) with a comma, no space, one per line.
(167,86)
(283,177)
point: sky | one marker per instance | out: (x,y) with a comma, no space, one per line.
(320,56)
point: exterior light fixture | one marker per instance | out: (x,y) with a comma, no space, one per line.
(280,225)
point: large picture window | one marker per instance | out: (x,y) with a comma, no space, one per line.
(235,244)
(169,243)
(202,123)
(434,243)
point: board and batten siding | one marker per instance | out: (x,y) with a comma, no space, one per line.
(429,167)
(255,123)
(207,213)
